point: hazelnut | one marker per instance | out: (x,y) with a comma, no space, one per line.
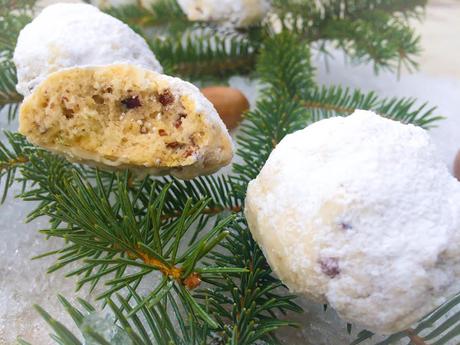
(229,102)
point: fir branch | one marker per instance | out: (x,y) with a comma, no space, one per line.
(263,129)
(386,42)
(13,17)
(202,56)
(10,26)
(284,66)
(9,97)
(115,236)
(137,17)
(331,101)
(218,190)
(102,225)
(437,328)
(165,15)
(349,8)
(149,325)
(246,303)
(13,155)
(376,31)
(8,7)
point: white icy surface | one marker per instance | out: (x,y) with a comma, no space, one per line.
(24,282)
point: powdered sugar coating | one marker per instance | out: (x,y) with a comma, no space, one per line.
(361,213)
(239,13)
(68,35)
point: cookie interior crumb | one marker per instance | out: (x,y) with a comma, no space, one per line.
(119,115)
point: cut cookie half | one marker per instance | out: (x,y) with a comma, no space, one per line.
(126,117)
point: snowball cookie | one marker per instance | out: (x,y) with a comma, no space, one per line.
(69,35)
(239,13)
(126,117)
(360,212)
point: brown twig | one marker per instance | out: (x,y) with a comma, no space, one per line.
(208,211)
(192,281)
(16,98)
(13,162)
(414,338)
(317,105)
(210,67)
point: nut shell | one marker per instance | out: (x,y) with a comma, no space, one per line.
(229,102)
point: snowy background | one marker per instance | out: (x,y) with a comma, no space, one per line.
(24,282)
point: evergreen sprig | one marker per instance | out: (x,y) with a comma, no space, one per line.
(155,324)
(441,326)
(162,15)
(325,102)
(367,31)
(284,66)
(206,55)
(9,97)
(112,236)
(248,305)
(113,223)
(8,7)
(13,155)
(13,17)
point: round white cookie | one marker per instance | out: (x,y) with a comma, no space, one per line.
(68,35)
(238,13)
(361,213)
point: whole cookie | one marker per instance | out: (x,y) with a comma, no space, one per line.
(361,213)
(67,35)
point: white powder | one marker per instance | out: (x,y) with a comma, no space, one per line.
(360,212)
(237,13)
(69,35)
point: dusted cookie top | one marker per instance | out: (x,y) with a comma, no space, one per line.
(69,35)
(234,12)
(361,213)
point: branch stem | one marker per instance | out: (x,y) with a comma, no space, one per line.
(13,162)
(208,211)
(214,67)
(10,99)
(326,106)
(414,338)
(192,281)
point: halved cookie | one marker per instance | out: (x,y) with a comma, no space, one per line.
(123,116)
